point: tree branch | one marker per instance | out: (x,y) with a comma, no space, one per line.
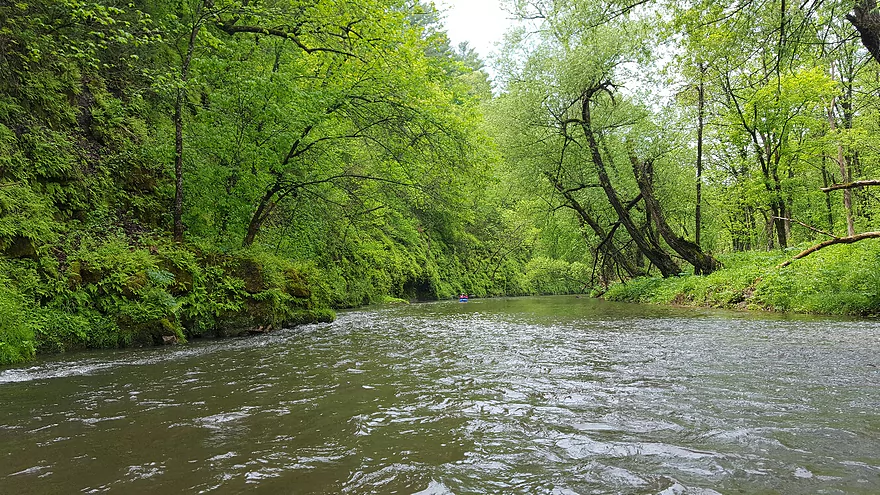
(810,227)
(831,242)
(851,185)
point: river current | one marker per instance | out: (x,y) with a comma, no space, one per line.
(550,395)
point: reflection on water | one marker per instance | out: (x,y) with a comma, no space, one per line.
(544,395)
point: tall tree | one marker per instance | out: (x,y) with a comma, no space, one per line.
(583,56)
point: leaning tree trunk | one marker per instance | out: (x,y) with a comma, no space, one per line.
(702,262)
(660,258)
(264,209)
(607,246)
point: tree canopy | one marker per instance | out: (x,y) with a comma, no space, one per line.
(177,167)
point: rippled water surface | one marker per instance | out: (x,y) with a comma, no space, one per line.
(543,395)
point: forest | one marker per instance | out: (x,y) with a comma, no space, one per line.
(172,169)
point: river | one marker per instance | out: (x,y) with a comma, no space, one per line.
(549,395)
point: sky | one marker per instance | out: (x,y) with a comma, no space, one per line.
(480,22)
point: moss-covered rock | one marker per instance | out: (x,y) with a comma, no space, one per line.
(305,317)
(136,282)
(88,274)
(153,332)
(21,247)
(252,274)
(74,277)
(295,284)
(183,276)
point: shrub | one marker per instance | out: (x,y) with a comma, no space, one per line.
(16,336)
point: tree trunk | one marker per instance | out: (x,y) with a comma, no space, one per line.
(178,168)
(654,253)
(606,246)
(768,231)
(825,182)
(743,227)
(703,263)
(844,170)
(866,20)
(700,106)
(179,101)
(263,210)
(847,193)
(777,223)
(777,203)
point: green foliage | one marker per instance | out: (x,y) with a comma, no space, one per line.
(17,339)
(554,276)
(334,166)
(349,163)
(58,330)
(389,300)
(835,280)
(839,280)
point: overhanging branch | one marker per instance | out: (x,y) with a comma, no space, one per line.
(831,242)
(281,33)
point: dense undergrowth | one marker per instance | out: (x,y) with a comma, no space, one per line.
(839,280)
(111,291)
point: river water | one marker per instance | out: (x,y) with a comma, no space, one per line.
(552,395)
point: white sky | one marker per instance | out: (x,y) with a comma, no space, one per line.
(480,22)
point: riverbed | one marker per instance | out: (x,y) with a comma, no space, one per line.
(548,395)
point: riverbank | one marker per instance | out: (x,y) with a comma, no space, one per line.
(115,293)
(106,288)
(112,293)
(840,280)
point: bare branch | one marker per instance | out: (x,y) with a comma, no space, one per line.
(810,227)
(851,185)
(831,242)
(233,29)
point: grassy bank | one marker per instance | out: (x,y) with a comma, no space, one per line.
(839,280)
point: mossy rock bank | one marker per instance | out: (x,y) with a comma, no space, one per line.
(114,293)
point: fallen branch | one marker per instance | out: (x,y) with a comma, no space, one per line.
(802,224)
(831,242)
(850,185)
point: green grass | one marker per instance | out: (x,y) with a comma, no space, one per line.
(840,280)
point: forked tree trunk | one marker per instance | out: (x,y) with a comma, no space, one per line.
(654,252)
(703,263)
